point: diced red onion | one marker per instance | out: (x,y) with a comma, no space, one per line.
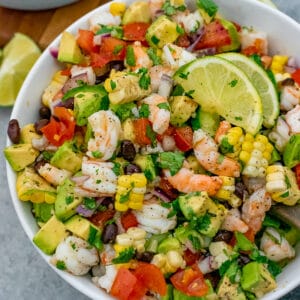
(73,82)
(199,35)
(206,265)
(205,52)
(160,194)
(54,52)
(98,38)
(86,212)
(292,62)
(168,143)
(165,86)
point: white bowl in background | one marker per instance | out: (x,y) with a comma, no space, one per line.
(34,4)
(284,34)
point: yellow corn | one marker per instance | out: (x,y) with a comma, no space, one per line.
(255,155)
(231,142)
(278,63)
(282,185)
(130,191)
(117,8)
(226,192)
(169,262)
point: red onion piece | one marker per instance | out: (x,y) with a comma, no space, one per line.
(205,52)
(54,52)
(160,194)
(199,36)
(86,212)
(73,82)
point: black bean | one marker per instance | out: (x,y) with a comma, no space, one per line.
(223,236)
(243,259)
(45,112)
(145,256)
(40,124)
(107,201)
(240,190)
(69,103)
(214,278)
(288,81)
(109,233)
(127,150)
(117,65)
(14,131)
(131,169)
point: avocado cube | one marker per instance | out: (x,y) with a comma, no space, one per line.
(50,235)
(138,11)
(181,108)
(43,211)
(28,133)
(66,200)
(69,50)
(145,162)
(20,156)
(161,32)
(185,233)
(170,243)
(66,158)
(32,187)
(257,279)
(128,130)
(228,290)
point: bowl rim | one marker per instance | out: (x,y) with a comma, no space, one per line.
(74,281)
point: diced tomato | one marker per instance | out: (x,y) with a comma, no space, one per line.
(190,257)
(296,76)
(256,48)
(190,281)
(57,132)
(66,72)
(123,285)
(184,138)
(169,131)
(140,131)
(139,291)
(215,36)
(128,220)
(151,277)
(98,60)
(85,41)
(297,172)
(183,41)
(250,235)
(101,217)
(112,48)
(167,188)
(135,31)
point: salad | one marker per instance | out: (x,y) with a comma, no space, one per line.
(161,146)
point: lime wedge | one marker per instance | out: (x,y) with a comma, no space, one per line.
(19,55)
(262,83)
(221,87)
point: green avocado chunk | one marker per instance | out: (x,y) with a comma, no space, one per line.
(138,11)
(170,243)
(50,235)
(291,154)
(66,200)
(66,158)
(43,211)
(69,50)
(28,132)
(20,156)
(145,162)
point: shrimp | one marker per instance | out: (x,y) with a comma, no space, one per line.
(252,38)
(293,119)
(141,57)
(77,255)
(233,222)
(280,134)
(156,74)
(159,116)
(52,174)
(191,21)
(275,246)
(153,218)
(289,97)
(100,179)
(106,281)
(206,151)
(106,128)
(221,131)
(186,181)
(255,207)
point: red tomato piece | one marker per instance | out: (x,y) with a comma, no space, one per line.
(140,131)
(101,217)
(256,48)
(297,171)
(215,36)
(112,48)
(57,132)
(190,257)
(169,131)
(98,60)
(167,188)
(184,138)
(190,281)
(85,41)
(123,285)
(128,220)
(66,72)
(296,76)
(183,41)
(135,31)
(151,277)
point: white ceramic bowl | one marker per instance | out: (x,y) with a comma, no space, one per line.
(284,34)
(34,4)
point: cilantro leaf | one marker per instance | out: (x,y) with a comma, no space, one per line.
(195,242)
(164,105)
(145,79)
(117,168)
(208,6)
(61,265)
(225,147)
(123,111)
(115,31)
(171,160)
(201,223)
(152,53)
(151,135)
(242,242)
(130,58)
(144,111)
(124,256)
(89,203)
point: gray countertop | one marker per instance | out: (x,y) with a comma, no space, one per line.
(25,275)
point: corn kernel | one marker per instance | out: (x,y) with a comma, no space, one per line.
(119,248)
(278,63)
(232,138)
(269,147)
(159,260)
(249,137)
(174,258)
(124,239)
(274,168)
(247,146)
(136,233)
(259,146)
(117,8)
(267,155)
(244,156)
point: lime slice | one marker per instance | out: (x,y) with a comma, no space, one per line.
(19,55)
(262,83)
(219,86)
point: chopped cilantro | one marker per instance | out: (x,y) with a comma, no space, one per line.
(151,135)
(89,203)
(179,29)
(183,75)
(170,10)
(97,154)
(201,223)
(238,118)
(225,147)
(287,182)
(117,168)
(208,6)
(61,265)
(130,58)
(171,160)
(154,40)
(145,79)
(118,49)
(113,85)
(152,53)
(195,242)
(242,242)
(285,195)
(164,105)
(189,94)
(123,111)
(115,31)
(177,91)
(144,111)
(94,237)
(224,267)
(69,199)
(270,221)
(256,58)
(98,181)
(124,256)
(47,155)
(125,197)
(233,83)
